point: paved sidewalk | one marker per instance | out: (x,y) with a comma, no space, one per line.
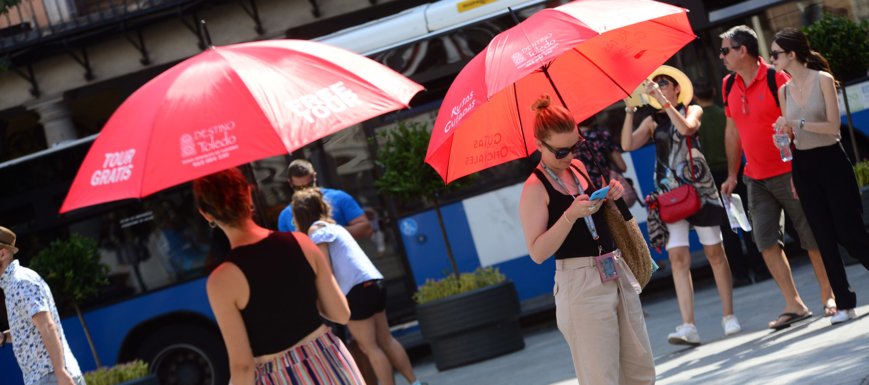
(813,352)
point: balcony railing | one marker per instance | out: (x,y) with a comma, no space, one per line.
(36,20)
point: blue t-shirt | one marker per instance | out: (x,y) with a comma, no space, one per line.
(344,209)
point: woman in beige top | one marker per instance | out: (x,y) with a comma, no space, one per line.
(823,178)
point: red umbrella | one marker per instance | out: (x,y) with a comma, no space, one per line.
(595,51)
(228,106)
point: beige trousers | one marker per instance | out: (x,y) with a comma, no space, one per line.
(603,324)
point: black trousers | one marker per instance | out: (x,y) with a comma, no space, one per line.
(740,262)
(825,182)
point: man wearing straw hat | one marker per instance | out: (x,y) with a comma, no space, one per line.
(35,330)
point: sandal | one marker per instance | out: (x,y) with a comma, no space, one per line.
(792,319)
(827,312)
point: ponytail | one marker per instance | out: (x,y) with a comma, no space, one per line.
(817,62)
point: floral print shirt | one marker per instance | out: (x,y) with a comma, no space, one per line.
(26,295)
(599,143)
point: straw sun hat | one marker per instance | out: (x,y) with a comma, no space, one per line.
(686,93)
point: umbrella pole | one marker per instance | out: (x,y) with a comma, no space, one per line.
(545,70)
(206,34)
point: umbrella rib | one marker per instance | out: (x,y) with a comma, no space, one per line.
(602,71)
(521,128)
(671,27)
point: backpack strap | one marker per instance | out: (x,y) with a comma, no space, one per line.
(773,87)
(729,86)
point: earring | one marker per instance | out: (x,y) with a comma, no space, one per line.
(213,224)
(252,207)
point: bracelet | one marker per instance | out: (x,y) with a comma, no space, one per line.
(565,218)
(630,110)
(666,106)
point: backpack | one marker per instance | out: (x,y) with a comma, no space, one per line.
(770,81)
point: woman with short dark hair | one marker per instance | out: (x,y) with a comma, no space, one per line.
(269,294)
(679,162)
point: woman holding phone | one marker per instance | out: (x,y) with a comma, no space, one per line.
(597,308)
(679,162)
(823,178)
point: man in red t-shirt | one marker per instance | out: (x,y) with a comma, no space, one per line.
(751,110)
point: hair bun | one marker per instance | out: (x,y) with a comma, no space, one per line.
(543,101)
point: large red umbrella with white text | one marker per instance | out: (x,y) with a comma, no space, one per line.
(229,106)
(587,54)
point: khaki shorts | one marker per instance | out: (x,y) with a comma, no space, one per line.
(766,199)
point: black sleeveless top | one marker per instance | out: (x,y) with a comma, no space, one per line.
(282,308)
(579,242)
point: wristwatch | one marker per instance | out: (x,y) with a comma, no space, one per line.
(802,123)
(630,110)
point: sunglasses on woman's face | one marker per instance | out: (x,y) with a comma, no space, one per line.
(562,153)
(663,84)
(773,55)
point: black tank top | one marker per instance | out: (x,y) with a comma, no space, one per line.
(282,308)
(579,242)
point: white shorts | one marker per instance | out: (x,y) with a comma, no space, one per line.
(709,235)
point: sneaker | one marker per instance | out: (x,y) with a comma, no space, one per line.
(730,325)
(843,316)
(686,334)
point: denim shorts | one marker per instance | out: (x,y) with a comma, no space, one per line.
(766,199)
(51,379)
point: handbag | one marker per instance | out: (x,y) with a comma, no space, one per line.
(683,202)
(629,239)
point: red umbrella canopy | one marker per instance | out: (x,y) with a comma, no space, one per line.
(228,106)
(595,53)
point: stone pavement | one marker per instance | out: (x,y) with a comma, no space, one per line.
(813,352)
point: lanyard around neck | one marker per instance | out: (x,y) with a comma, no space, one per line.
(589,222)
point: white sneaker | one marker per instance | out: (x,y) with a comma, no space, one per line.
(730,325)
(842,316)
(686,334)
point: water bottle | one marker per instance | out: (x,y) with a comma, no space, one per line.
(783,142)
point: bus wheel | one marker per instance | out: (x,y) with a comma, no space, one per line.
(186,355)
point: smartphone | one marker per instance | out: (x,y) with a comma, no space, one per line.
(599,194)
(638,97)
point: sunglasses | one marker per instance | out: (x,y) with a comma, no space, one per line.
(726,50)
(773,55)
(663,84)
(562,153)
(744,105)
(302,187)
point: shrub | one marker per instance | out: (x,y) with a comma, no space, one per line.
(861,171)
(434,290)
(844,43)
(117,374)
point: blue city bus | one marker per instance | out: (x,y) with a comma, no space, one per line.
(160,251)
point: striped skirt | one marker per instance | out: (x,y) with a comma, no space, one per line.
(323,361)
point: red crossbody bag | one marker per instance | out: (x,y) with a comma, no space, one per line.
(683,202)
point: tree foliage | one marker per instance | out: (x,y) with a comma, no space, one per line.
(406,176)
(844,43)
(72,269)
(5,5)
